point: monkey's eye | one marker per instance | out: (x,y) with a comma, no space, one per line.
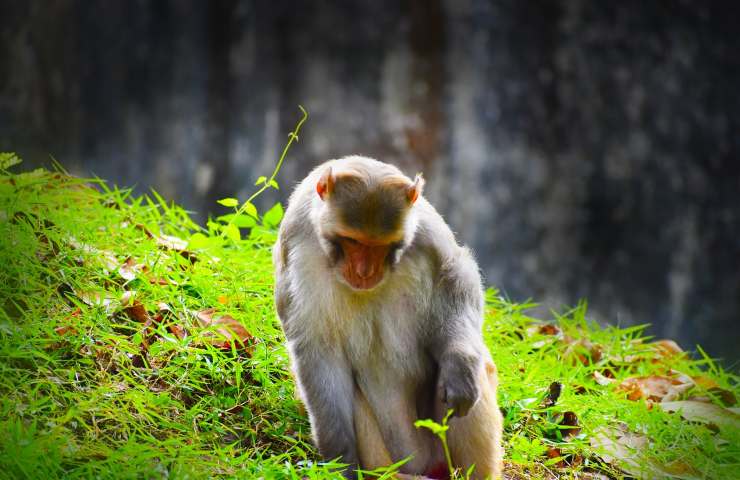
(349,240)
(336,249)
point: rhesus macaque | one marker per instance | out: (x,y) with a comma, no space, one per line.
(382,310)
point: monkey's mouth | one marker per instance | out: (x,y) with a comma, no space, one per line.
(366,283)
(356,282)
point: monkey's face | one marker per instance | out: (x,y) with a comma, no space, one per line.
(366,219)
(362,261)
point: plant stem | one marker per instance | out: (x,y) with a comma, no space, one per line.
(267,184)
(291,136)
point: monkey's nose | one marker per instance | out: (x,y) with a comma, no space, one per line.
(365,270)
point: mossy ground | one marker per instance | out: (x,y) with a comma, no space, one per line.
(107,370)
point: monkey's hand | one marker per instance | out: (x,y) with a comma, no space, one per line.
(458,383)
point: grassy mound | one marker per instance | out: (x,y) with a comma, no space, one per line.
(137,344)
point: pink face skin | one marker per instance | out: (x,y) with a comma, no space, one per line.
(364,262)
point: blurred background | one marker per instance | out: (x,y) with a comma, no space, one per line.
(583,149)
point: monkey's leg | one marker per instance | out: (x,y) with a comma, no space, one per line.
(393,408)
(475,439)
(370,445)
(326,386)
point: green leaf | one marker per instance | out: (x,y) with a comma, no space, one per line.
(232,232)
(261,180)
(435,427)
(240,220)
(8,159)
(198,240)
(273,216)
(274,184)
(251,210)
(229,202)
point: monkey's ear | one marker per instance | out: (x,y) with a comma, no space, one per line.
(413,191)
(325,185)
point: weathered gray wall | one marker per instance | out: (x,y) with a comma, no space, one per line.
(584,149)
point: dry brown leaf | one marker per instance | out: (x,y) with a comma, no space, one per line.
(582,351)
(602,379)
(628,451)
(164,308)
(177,331)
(68,329)
(171,243)
(704,412)
(705,382)
(709,385)
(166,313)
(548,329)
(553,393)
(95,298)
(681,469)
(553,453)
(129,269)
(227,329)
(133,307)
(667,348)
(619,446)
(654,388)
(570,420)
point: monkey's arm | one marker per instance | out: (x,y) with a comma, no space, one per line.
(323,378)
(326,386)
(457,342)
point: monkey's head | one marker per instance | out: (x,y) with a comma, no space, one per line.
(367,219)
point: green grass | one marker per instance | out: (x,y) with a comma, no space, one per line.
(95,386)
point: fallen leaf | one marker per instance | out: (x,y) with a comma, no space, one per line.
(65,330)
(171,243)
(705,382)
(602,379)
(68,329)
(710,386)
(227,329)
(129,269)
(94,298)
(177,244)
(628,451)
(620,447)
(570,420)
(654,388)
(177,331)
(667,348)
(548,329)
(133,307)
(167,314)
(579,389)
(681,469)
(164,308)
(554,453)
(553,394)
(582,351)
(704,412)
